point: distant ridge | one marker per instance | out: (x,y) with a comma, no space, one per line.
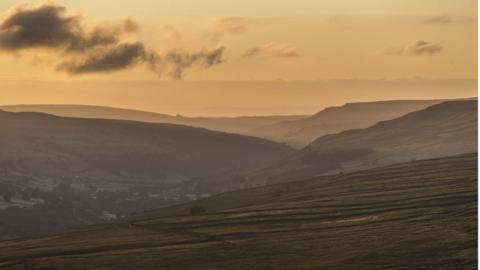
(447,128)
(241,125)
(332,120)
(295,130)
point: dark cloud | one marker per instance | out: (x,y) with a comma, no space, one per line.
(273,50)
(117,58)
(103,35)
(99,48)
(175,62)
(45,26)
(130,54)
(416,48)
(48,26)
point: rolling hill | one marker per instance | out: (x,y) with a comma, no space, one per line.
(300,132)
(295,130)
(240,125)
(416,215)
(448,128)
(58,145)
(86,169)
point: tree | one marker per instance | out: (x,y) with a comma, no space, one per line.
(7,191)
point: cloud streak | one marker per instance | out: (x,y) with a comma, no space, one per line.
(273,50)
(227,26)
(446,19)
(100,48)
(442,19)
(416,48)
(170,33)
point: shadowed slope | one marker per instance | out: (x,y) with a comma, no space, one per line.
(417,215)
(74,146)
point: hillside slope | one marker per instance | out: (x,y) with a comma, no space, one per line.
(240,125)
(77,145)
(84,169)
(416,215)
(448,128)
(445,129)
(301,132)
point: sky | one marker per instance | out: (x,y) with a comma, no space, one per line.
(65,44)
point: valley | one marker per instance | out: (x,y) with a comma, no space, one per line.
(330,222)
(58,172)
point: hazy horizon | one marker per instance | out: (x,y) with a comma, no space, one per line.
(246,58)
(231,98)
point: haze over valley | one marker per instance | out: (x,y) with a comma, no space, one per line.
(85,170)
(289,135)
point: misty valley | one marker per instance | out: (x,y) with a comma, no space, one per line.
(60,173)
(239,135)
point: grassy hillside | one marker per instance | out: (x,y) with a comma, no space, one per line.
(301,132)
(416,215)
(241,125)
(86,169)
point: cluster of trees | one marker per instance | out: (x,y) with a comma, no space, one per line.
(7,191)
(66,208)
(67,205)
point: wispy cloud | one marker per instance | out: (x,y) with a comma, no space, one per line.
(226,26)
(273,50)
(170,33)
(416,48)
(446,19)
(441,19)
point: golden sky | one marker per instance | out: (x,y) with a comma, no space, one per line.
(223,40)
